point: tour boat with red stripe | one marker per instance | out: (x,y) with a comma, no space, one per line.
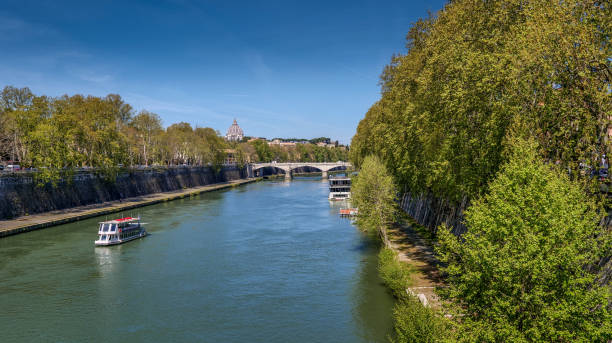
(119,231)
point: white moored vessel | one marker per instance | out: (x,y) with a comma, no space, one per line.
(120,231)
(339,188)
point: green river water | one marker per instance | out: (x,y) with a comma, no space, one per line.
(264,262)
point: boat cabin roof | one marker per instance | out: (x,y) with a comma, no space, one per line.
(121,220)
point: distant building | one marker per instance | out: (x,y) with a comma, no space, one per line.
(230,156)
(234,133)
(283,144)
(326,145)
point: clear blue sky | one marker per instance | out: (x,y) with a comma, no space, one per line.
(282,68)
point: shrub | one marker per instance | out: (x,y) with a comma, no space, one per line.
(373,192)
(395,274)
(416,323)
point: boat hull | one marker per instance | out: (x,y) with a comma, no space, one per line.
(120,241)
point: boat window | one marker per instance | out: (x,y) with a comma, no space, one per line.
(103,238)
(113,227)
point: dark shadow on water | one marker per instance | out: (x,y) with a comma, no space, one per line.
(367,244)
(372,311)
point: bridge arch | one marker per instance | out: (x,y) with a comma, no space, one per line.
(338,168)
(259,170)
(288,167)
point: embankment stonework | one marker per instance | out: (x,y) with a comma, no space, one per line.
(431,212)
(20,196)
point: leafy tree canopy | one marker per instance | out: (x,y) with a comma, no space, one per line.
(518,274)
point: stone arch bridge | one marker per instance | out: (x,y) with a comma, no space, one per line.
(288,167)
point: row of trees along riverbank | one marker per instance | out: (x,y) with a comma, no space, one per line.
(506,104)
(57,135)
(525,271)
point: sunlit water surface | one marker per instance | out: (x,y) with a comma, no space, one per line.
(264,262)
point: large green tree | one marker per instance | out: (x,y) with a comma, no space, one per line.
(518,274)
(147,127)
(480,70)
(373,192)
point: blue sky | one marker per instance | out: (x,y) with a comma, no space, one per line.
(282,68)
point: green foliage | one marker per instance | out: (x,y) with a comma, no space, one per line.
(264,154)
(412,322)
(395,274)
(320,139)
(373,191)
(415,323)
(518,274)
(147,128)
(483,71)
(59,135)
(475,77)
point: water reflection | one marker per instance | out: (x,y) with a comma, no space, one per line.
(107,259)
(372,303)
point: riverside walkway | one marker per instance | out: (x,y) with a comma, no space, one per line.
(416,251)
(47,219)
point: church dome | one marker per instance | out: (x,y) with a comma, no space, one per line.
(234,133)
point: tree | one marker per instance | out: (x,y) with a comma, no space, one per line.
(246,153)
(50,153)
(264,153)
(518,274)
(481,70)
(373,192)
(181,141)
(211,146)
(147,126)
(14,104)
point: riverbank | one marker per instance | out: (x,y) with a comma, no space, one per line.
(48,219)
(409,268)
(416,252)
(21,196)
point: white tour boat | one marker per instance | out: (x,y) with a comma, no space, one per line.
(339,188)
(120,231)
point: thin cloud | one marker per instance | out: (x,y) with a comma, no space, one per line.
(156,105)
(94,77)
(236,95)
(257,66)
(14,28)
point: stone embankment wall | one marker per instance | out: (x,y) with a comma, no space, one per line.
(19,195)
(432,212)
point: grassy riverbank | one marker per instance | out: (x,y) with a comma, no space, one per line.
(408,267)
(407,264)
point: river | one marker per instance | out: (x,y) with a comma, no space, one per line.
(264,262)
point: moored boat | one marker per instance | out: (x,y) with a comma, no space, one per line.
(348,212)
(339,188)
(119,231)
